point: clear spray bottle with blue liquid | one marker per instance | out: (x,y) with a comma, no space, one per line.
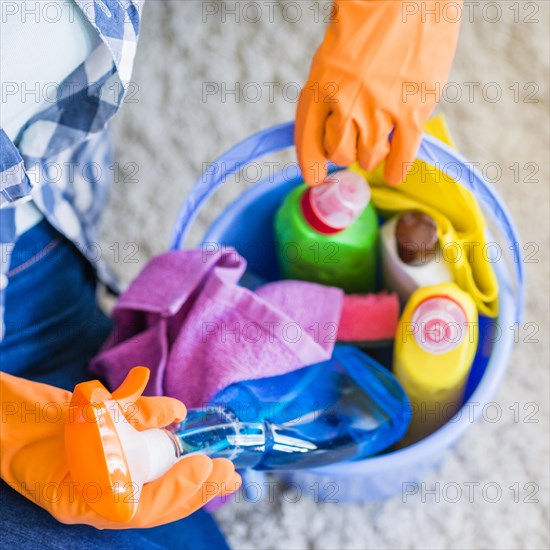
(347,408)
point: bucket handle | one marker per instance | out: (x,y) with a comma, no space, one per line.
(431,151)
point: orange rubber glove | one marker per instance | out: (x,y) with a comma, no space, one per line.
(381,67)
(33,460)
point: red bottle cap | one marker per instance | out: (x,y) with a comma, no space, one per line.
(335,204)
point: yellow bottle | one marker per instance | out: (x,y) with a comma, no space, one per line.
(435,346)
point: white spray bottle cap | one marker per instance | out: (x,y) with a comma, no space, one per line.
(340,199)
(103,448)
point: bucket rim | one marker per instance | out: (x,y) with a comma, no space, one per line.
(432,151)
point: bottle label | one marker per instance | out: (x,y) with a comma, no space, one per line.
(439,325)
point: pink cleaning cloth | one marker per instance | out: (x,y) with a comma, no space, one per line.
(186,319)
(369,317)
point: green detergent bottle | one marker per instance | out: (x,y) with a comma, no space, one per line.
(329,234)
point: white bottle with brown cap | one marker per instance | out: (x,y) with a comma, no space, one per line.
(410,254)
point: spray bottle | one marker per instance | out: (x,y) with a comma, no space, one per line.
(346,408)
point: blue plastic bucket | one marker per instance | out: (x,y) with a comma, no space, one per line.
(247,225)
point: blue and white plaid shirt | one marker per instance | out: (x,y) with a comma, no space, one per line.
(69,136)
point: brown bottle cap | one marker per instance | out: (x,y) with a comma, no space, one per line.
(416,235)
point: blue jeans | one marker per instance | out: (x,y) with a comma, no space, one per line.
(53,327)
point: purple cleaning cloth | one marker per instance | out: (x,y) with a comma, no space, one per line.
(187,320)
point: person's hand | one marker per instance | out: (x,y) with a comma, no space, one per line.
(33,459)
(380,68)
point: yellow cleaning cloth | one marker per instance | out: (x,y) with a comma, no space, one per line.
(460,222)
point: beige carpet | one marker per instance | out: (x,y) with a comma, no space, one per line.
(177,118)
